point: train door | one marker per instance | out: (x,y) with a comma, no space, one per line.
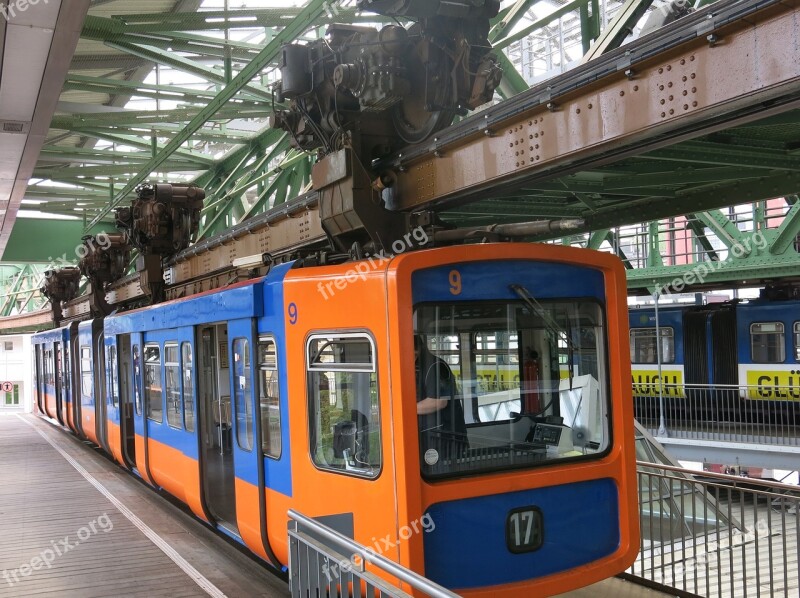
(39,378)
(101,398)
(113,423)
(140,429)
(126,400)
(57,357)
(248,452)
(215,415)
(76,395)
(66,378)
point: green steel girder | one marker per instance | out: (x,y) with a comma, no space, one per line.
(187,65)
(143,117)
(71,154)
(11,294)
(311,11)
(221,169)
(128,140)
(725,230)
(222,134)
(787,233)
(209,134)
(499,44)
(246,18)
(590,24)
(596,238)
(616,31)
(653,247)
(111,86)
(719,154)
(504,23)
(58,193)
(111,170)
(299,169)
(676,178)
(777,184)
(227,197)
(105,30)
(733,271)
(217,195)
(700,234)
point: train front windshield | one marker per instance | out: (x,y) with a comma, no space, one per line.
(511,384)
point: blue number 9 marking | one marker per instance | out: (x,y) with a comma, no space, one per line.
(293,313)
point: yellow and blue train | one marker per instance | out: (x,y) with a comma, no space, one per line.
(301,390)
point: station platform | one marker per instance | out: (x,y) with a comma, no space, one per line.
(74,524)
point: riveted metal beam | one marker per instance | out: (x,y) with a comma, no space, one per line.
(310,12)
(725,230)
(620,28)
(597,238)
(596,115)
(787,233)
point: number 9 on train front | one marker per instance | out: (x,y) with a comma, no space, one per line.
(524,529)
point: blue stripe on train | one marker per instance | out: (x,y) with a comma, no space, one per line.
(467,548)
(491,280)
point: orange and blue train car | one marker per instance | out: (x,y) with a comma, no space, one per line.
(464,411)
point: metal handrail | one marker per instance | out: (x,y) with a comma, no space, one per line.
(734,479)
(349,546)
(727,536)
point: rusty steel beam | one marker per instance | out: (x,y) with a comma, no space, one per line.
(716,68)
(207,265)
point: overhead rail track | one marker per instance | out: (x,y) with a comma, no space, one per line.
(673,85)
(728,64)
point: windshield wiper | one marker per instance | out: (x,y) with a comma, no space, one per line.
(549,323)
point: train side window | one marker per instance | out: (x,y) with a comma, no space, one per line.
(797,341)
(172,373)
(188,386)
(344,410)
(643,345)
(137,381)
(47,366)
(111,358)
(57,363)
(86,372)
(243,393)
(67,372)
(269,397)
(152,383)
(767,342)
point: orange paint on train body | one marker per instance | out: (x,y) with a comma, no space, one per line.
(380,303)
(50,406)
(114,440)
(359,306)
(88,424)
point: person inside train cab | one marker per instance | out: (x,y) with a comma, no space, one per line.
(443,432)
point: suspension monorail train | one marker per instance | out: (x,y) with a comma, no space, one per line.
(750,347)
(296,390)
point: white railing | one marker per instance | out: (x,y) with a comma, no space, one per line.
(752,414)
(324,563)
(717,536)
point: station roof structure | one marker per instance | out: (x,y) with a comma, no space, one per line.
(180,90)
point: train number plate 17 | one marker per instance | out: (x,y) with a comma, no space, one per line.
(524,529)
